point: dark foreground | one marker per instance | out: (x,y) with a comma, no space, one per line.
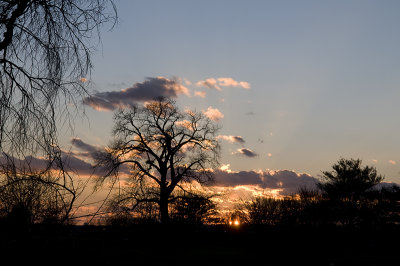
(213,245)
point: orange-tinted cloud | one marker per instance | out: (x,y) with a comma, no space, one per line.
(210,83)
(213,113)
(213,83)
(201,94)
(232,139)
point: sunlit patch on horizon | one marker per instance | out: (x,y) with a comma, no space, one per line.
(226,168)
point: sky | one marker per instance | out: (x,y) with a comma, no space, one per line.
(295,85)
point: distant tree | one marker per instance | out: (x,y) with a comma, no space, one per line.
(263,210)
(349,180)
(194,209)
(45,57)
(27,198)
(165,149)
(272,211)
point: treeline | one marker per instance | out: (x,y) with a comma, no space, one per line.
(314,208)
(349,195)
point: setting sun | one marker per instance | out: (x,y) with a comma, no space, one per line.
(234,223)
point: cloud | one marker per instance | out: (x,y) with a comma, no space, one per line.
(232,179)
(210,83)
(232,139)
(213,83)
(286,181)
(139,92)
(201,94)
(226,168)
(71,163)
(244,85)
(230,82)
(213,113)
(79,163)
(246,152)
(90,150)
(392,162)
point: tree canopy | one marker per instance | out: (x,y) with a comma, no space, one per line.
(349,179)
(165,148)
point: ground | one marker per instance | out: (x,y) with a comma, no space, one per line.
(200,245)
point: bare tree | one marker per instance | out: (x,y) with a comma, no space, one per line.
(45,57)
(165,148)
(35,197)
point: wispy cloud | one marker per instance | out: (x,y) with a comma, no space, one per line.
(201,94)
(187,82)
(139,92)
(246,152)
(210,83)
(81,163)
(213,83)
(232,139)
(230,82)
(213,113)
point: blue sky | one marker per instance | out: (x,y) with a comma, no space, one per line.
(324,76)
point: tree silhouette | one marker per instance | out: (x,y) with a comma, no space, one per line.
(45,57)
(194,209)
(165,148)
(349,180)
(41,197)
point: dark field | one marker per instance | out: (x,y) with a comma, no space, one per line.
(206,245)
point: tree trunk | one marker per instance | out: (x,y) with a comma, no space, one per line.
(164,208)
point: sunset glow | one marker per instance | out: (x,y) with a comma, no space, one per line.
(289,101)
